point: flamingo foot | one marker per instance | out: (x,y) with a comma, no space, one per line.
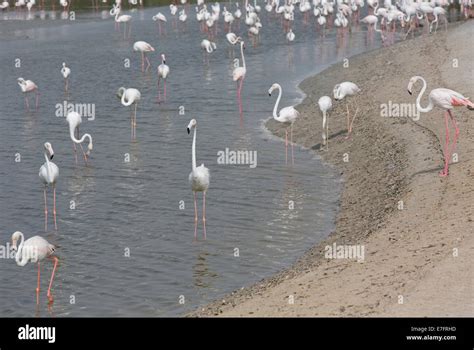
(50,298)
(443,173)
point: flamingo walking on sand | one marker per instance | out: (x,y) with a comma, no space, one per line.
(325,105)
(35,250)
(342,90)
(238,75)
(49,173)
(163,71)
(445,99)
(28,86)
(287,115)
(143,47)
(74,119)
(129,97)
(199,180)
(65,71)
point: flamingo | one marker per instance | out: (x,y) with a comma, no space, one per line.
(128,97)
(239,75)
(290,36)
(163,71)
(232,38)
(325,105)
(123,19)
(199,180)
(35,250)
(74,119)
(65,71)
(445,99)
(208,46)
(49,173)
(342,90)
(28,86)
(286,115)
(173,9)
(143,47)
(438,11)
(160,18)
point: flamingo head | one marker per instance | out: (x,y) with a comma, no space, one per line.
(49,149)
(163,57)
(192,124)
(89,147)
(15,238)
(412,81)
(64,64)
(273,87)
(120,92)
(337,92)
(21,80)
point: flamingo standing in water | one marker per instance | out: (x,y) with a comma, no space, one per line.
(123,19)
(446,99)
(163,71)
(199,180)
(143,47)
(160,18)
(74,119)
(239,75)
(65,71)
(129,97)
(35,250)
(49,173)
(325,105)
(28,86)
(342,90)
(286,115)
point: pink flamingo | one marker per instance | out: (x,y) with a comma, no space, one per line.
(28,86)
(342,90)
(239,75)
(446,99)
(34,249)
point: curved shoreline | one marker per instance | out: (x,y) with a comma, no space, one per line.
(390,160)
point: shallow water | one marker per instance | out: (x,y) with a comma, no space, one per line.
(135,205)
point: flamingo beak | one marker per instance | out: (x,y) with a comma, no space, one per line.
(409,92)
(189,130)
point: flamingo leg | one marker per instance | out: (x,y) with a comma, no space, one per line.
(50,296)
(291,141)
(195,216)
(444,172)
(27,103)
(143,61)
(456,134)
(45,212)
(240,95)
(148,63)
(37,100)
(204,212)
(135,122)
(66,84)
(164,83)
(38,285)
(348,121)
(83,153)
(75,151)
(286,146)
(352,121)
(159,93)
(54,207)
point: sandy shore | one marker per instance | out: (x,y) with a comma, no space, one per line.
(408,252)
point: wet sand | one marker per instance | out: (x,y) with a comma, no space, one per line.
(422,253)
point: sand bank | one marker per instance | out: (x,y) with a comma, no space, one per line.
(410,252)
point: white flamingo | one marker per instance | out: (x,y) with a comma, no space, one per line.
(49,173)
(325,105)
(65,71)
(34,250)
(199,180)
(74,120)
(143,47)
(287,115)
(127,98)
(238,75)
(163,71)
(342,90)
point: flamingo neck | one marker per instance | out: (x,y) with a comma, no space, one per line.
(126,102)
(242,52)
(418,99)
(19,258)
(194,150)
(72,128)
(277,102)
